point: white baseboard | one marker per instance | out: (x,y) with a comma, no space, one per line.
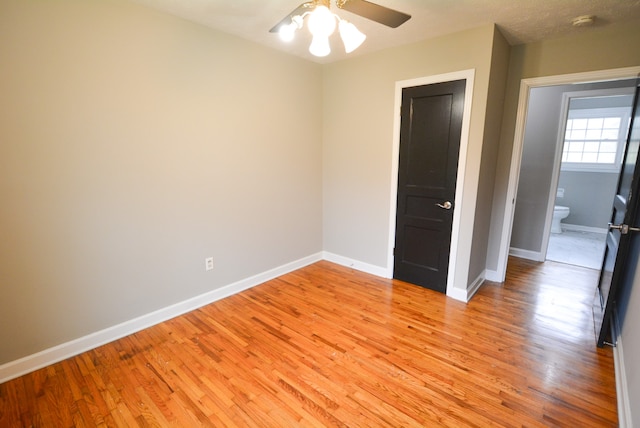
(357,265)
(536,256)
(466,295)
(457,294)
(14,369)
(69,349)
(475,285)
(580,228)
(622,389)
(493,276)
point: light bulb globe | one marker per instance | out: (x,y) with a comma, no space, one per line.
(287,32)
(351,36)
(320,46)
(322,22)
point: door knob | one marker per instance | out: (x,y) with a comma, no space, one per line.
(447,205)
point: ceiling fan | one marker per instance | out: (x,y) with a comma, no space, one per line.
(322,22)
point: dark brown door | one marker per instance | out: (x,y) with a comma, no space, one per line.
(624,224)
(431,126)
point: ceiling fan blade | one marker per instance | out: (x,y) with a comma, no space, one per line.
(375,12)
(304,7)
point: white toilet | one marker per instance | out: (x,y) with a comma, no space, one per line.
(559,214)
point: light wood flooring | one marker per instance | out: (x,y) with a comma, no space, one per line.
(329,346)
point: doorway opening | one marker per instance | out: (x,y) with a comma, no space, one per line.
(536,164)
(526,86)
(591,140)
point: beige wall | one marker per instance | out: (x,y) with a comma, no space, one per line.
(358,138)
(133,145)
(491,143)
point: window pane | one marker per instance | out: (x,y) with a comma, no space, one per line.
(576,146)
(593,134)
(579,124)
(578,134)
(591,140)
(574,157)
(612,122)
(609,146)
(606,158)
(591,146)
(595,123)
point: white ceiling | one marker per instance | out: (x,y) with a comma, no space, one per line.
(521,21)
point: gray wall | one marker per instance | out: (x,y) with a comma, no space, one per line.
(538,151)
(490,153)
(589,196)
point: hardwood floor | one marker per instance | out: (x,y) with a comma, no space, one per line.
(328,346)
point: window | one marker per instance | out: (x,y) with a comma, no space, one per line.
(594,138)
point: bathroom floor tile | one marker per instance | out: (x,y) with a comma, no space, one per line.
(578,248)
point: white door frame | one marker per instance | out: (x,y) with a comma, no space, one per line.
(456,284)
(516,156)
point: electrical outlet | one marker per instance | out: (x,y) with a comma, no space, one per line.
(208,263)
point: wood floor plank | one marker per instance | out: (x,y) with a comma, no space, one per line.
(330,346)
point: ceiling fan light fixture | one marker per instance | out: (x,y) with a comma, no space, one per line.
(286,32)
(350,35)
(320,46)
(322,22)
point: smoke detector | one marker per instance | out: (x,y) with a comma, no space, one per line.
(583,21)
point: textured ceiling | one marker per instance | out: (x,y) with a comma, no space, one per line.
(521,21)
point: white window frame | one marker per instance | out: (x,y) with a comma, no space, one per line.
(624,113)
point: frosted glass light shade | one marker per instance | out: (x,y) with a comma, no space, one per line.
(320,46)
(322,22)
(351,36)
(287,32)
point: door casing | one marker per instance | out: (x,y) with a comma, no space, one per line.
(456,282)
